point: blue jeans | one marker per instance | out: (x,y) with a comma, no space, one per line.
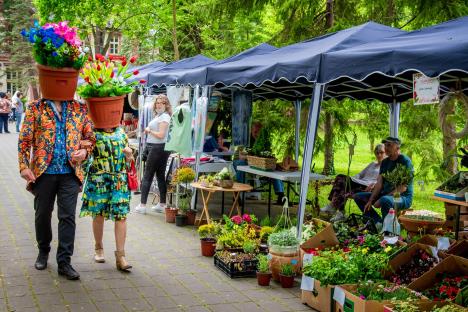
(18,117)
(386,203)
(240,176)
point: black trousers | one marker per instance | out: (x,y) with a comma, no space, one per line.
(64,187)
(3,122)
(155,163)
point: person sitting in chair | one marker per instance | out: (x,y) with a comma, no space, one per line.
(382,194)
(345,187)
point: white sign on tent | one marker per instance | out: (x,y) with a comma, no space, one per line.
(425,89)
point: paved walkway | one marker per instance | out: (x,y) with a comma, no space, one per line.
(169,274)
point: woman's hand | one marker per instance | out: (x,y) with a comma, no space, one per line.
(128,154)
(147,130)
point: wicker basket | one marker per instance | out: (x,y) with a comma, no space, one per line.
(261,162)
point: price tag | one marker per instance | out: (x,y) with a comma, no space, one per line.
(391,240)
(339,295)
(443,243)
(307,283)
(307,258)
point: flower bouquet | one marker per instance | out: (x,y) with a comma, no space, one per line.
(105,87)
(59,55)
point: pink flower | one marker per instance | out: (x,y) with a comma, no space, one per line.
(236,219)
(136,72)
(362,297)
(246,218)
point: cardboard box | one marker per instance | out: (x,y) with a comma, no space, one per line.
(458,249)
(423,306)
(320,299)
(324,238)
(451,212)
(451,264)
(355,304)
(404,257)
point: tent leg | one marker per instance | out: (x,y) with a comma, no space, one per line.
(312,124)
(297,106)
(394,120)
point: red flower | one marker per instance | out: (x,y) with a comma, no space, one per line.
(133,59)
(236,219)
(136,72)
(90,58)
(246,218)
(86,79)
(100,80)
(112,75)
(100,57)
(346,249)
(98,67)
(124,62)
(142,81)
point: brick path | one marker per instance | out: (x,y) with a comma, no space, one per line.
(169,274)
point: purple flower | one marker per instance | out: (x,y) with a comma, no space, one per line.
(54,54)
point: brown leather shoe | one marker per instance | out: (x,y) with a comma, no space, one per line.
(120,261)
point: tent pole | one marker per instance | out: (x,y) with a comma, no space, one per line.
(394,119)
(312,124)
(297,106)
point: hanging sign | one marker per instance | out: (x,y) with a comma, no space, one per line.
(425,89)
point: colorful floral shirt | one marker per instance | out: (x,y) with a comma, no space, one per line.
(38,134)
(59,163)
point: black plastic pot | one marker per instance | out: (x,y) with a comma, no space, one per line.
(180,220)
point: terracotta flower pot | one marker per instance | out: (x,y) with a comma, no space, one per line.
(57,84)
(208,247)
(171,214)
(263,279)
(415,226)
(286,281)
(191,214)
(106,112)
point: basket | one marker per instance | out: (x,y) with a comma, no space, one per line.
(246,268)
(416,226)
(261,163)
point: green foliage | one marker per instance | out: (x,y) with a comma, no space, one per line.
(265,232)
(249,246)
(266,221)
(263,263)
(283,238)
(287,269)
(399,176)
(384,291)
(262,145)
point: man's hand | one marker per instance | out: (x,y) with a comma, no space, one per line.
(78,156)
(28,175)
(147,130)
(370,187)
(368,206)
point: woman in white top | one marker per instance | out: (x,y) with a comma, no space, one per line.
(344,186)
(17,104)
(156,161)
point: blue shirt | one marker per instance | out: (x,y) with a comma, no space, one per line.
(59,163)
(388,165)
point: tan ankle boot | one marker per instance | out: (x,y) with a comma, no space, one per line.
(99,253)
(120,261)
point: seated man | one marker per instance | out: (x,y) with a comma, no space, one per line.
(218,144)
(382,195)
(239,159)
(345,187)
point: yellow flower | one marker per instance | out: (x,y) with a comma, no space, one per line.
(388,249)
(365,250)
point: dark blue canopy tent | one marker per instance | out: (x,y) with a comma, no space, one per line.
(173,70)
(197,76)
(145,69)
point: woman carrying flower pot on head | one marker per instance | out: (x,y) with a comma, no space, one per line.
(107,194)
(156,161)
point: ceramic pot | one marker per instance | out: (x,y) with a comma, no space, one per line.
(171,214)
(208,247)
(263,279)
(106,112)
(286,281)
(57,84)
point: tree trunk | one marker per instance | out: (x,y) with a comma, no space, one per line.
(330,15)
(329,166)
(174,31)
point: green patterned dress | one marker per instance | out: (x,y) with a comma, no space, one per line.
(106,191)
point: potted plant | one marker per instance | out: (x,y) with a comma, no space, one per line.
(183,176)
(235,232)
(287,275)
(260,155)
(224,178)
(59,55)
(283,247)
(105,88)
(208,234)
(263,271)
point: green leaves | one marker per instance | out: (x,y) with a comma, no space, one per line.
(400,176)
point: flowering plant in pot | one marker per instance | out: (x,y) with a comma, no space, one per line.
(208,234)
(59,54)
(105,87)
(184,175)
(224,178)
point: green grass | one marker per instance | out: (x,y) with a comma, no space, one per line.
(361,158)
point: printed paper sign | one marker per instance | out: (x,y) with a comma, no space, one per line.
(391,240)
(339,295)
(307,258)
(434,252)
(307,283)
(443,243)
(425,89)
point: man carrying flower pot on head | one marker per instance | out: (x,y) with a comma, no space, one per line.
(54,131)
(383,193)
